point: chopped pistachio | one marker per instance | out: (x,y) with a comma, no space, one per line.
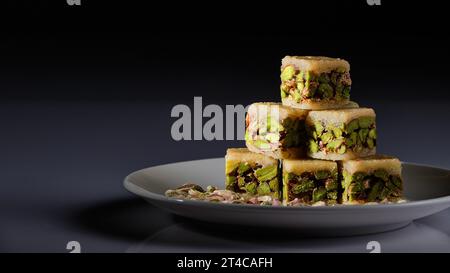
(300,86)
(241,182)
(366,122)
(370,143)
(337,132)
(274,185)
(363,135)
(266,173)
(346,92)
(322,174)
(304,186)
(273,137)
(373,133)
(358,176)
(331,184)
(375,192)
(319,194)
(230,180)
(397,181)
(326,137)
(288,73)
(308,76)
(323,78)
(342,149)
(313,146)
(352,126)
(297,96)
(335,143)
(318,127)
(349,142)
(385,192)
(243,167)
(251,187)
(333,195)
(354,137)
(357,186)
(326,90)
(263,189)
(381,173)
(261,144)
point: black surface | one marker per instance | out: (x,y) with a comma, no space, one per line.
(86,94)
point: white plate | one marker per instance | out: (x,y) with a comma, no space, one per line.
(427,188)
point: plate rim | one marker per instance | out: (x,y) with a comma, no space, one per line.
(133,188)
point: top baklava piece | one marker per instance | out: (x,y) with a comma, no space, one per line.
(315,83)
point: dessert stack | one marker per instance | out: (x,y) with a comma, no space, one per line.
(316,147)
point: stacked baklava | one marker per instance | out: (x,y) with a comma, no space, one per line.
(316,147)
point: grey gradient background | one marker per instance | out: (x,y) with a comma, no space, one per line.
(86,99)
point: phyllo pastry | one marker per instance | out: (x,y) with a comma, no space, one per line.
(308,181)
(309,82)
(252,173)
(341,134)
(372,179)
(276,130)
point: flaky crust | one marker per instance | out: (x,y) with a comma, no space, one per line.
(244,155)
(273,107)
(318,64)
(346,156)
(319,105)
(369,164)
(290,153)
(299,166)
(339,115)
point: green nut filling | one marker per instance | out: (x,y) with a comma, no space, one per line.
(352,126)
(272,134)
(374,187)
(287,73)
(243,167)
(266,173)
(356,135)
(230,180)
(319,194)
(263,189)
(252,179)
(311,86)
(310,187)
(366,122)
(251,187)
(304,186)
(322,174)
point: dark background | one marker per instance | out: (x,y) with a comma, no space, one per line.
(86,93)
(123,50)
